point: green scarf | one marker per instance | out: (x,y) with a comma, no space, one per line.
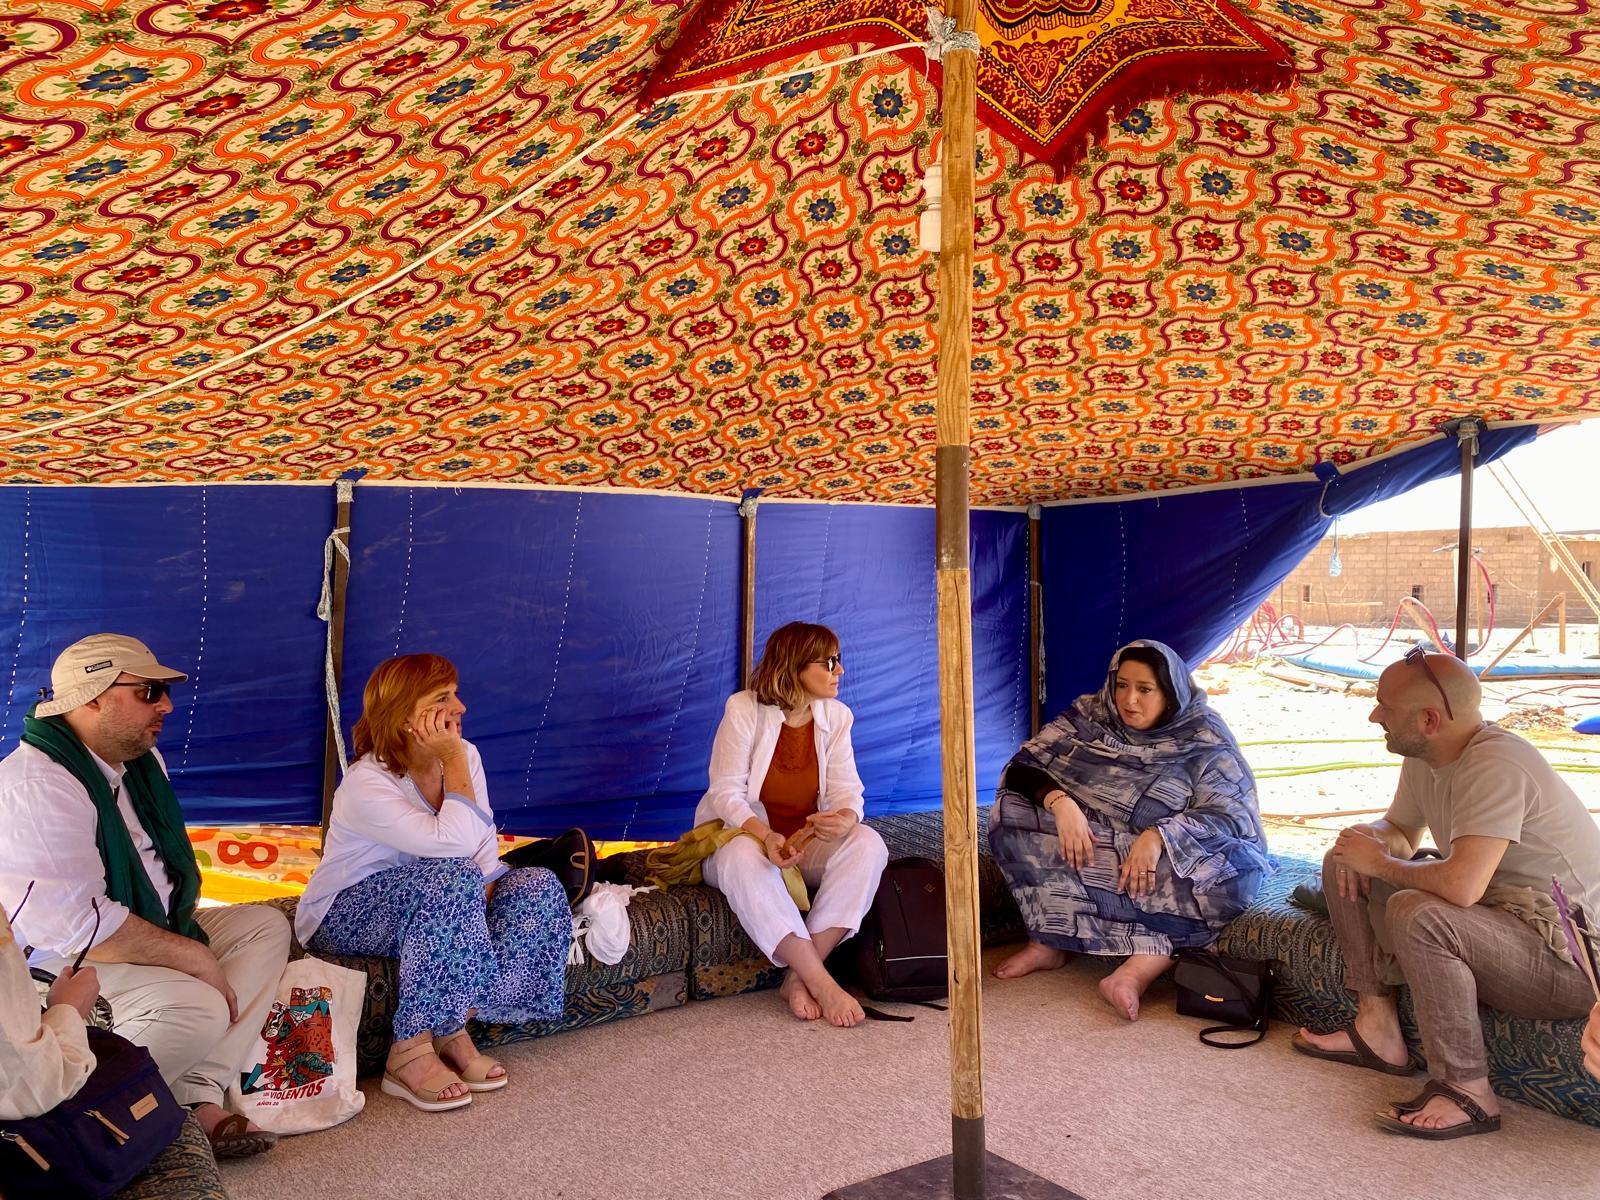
(150,792)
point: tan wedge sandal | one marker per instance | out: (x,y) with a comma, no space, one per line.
(476,1073)
(426,1097)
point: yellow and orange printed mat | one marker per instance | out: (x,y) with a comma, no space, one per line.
(240,863)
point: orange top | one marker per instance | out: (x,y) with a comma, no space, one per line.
(789,792)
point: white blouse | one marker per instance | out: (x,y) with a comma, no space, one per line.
(380,820)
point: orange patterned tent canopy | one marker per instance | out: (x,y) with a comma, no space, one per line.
(729,293)
(1051,72)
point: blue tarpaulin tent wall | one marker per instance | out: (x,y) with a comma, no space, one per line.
(1190,567)
(597,633)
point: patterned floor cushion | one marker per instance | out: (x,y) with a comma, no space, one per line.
(1537,1062)
(725,962)
(652,975)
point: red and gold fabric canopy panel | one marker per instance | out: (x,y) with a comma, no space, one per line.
(1051,75)
(730,294)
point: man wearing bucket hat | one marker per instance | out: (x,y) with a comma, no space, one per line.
(95,863)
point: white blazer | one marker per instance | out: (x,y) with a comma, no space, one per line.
(742,754)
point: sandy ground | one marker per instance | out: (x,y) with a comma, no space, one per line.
(1319,762)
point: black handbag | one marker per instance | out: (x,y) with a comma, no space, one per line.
(94,1143)
(1235,992)
(571,856)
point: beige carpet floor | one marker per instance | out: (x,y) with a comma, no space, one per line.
(733,1099)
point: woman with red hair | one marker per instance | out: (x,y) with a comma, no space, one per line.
(410,870)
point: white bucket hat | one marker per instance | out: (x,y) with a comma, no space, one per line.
(88,667)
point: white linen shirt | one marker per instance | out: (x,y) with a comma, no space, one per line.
(380,820)
(47,838)
(742,754)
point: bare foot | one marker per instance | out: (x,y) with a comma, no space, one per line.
(799,998)
(841,1008)
(1032,957)
(1122,994)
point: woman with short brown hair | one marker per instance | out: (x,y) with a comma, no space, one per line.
(410,870)
(782,765)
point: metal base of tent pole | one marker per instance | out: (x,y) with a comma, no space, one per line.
(933,1180)
(936,1179)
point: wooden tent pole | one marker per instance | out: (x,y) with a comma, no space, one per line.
(747,610)
(335,617)
(1466,431)
(955,610)
(1035,619)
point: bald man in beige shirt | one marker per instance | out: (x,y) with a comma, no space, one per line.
(1467,928)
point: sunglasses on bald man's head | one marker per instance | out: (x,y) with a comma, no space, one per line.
(1420,656)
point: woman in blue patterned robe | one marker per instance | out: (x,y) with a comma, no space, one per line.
(1129,827)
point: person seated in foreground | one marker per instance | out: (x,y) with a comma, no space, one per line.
(1473,927)
(44,1057)
(781,763)
(409,871)
(1129,827)
(93,827)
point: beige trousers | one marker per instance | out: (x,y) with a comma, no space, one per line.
(184,1022)
(1453,959)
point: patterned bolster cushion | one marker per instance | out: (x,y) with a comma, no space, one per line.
(725,962)
(1536,1062)
(651,975)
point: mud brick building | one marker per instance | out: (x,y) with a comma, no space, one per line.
(1377,569)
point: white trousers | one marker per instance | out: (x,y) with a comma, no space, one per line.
(843,873)
(184,1022)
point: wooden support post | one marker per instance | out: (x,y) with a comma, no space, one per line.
(1526,630)
(1466,431)
(1035,620)
(955,611)
(1412,610)
(747,607)
(1561,635)
(334,597)
(970,1169)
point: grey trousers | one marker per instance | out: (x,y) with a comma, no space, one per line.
(1453,959)
(184,1022)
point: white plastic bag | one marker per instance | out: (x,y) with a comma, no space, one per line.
(302,1076)
(602,922)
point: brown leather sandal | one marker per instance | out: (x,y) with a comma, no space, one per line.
(476,1073)
(1362,1055)
(232,1137)
(1477,1120)
(425,1097)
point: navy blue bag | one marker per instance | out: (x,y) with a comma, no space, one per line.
(93,1144)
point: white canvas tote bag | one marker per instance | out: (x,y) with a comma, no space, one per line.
(302,1075)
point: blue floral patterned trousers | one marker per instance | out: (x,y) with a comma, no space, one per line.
(507,959)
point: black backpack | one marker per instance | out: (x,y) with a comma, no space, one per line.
(901,952)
